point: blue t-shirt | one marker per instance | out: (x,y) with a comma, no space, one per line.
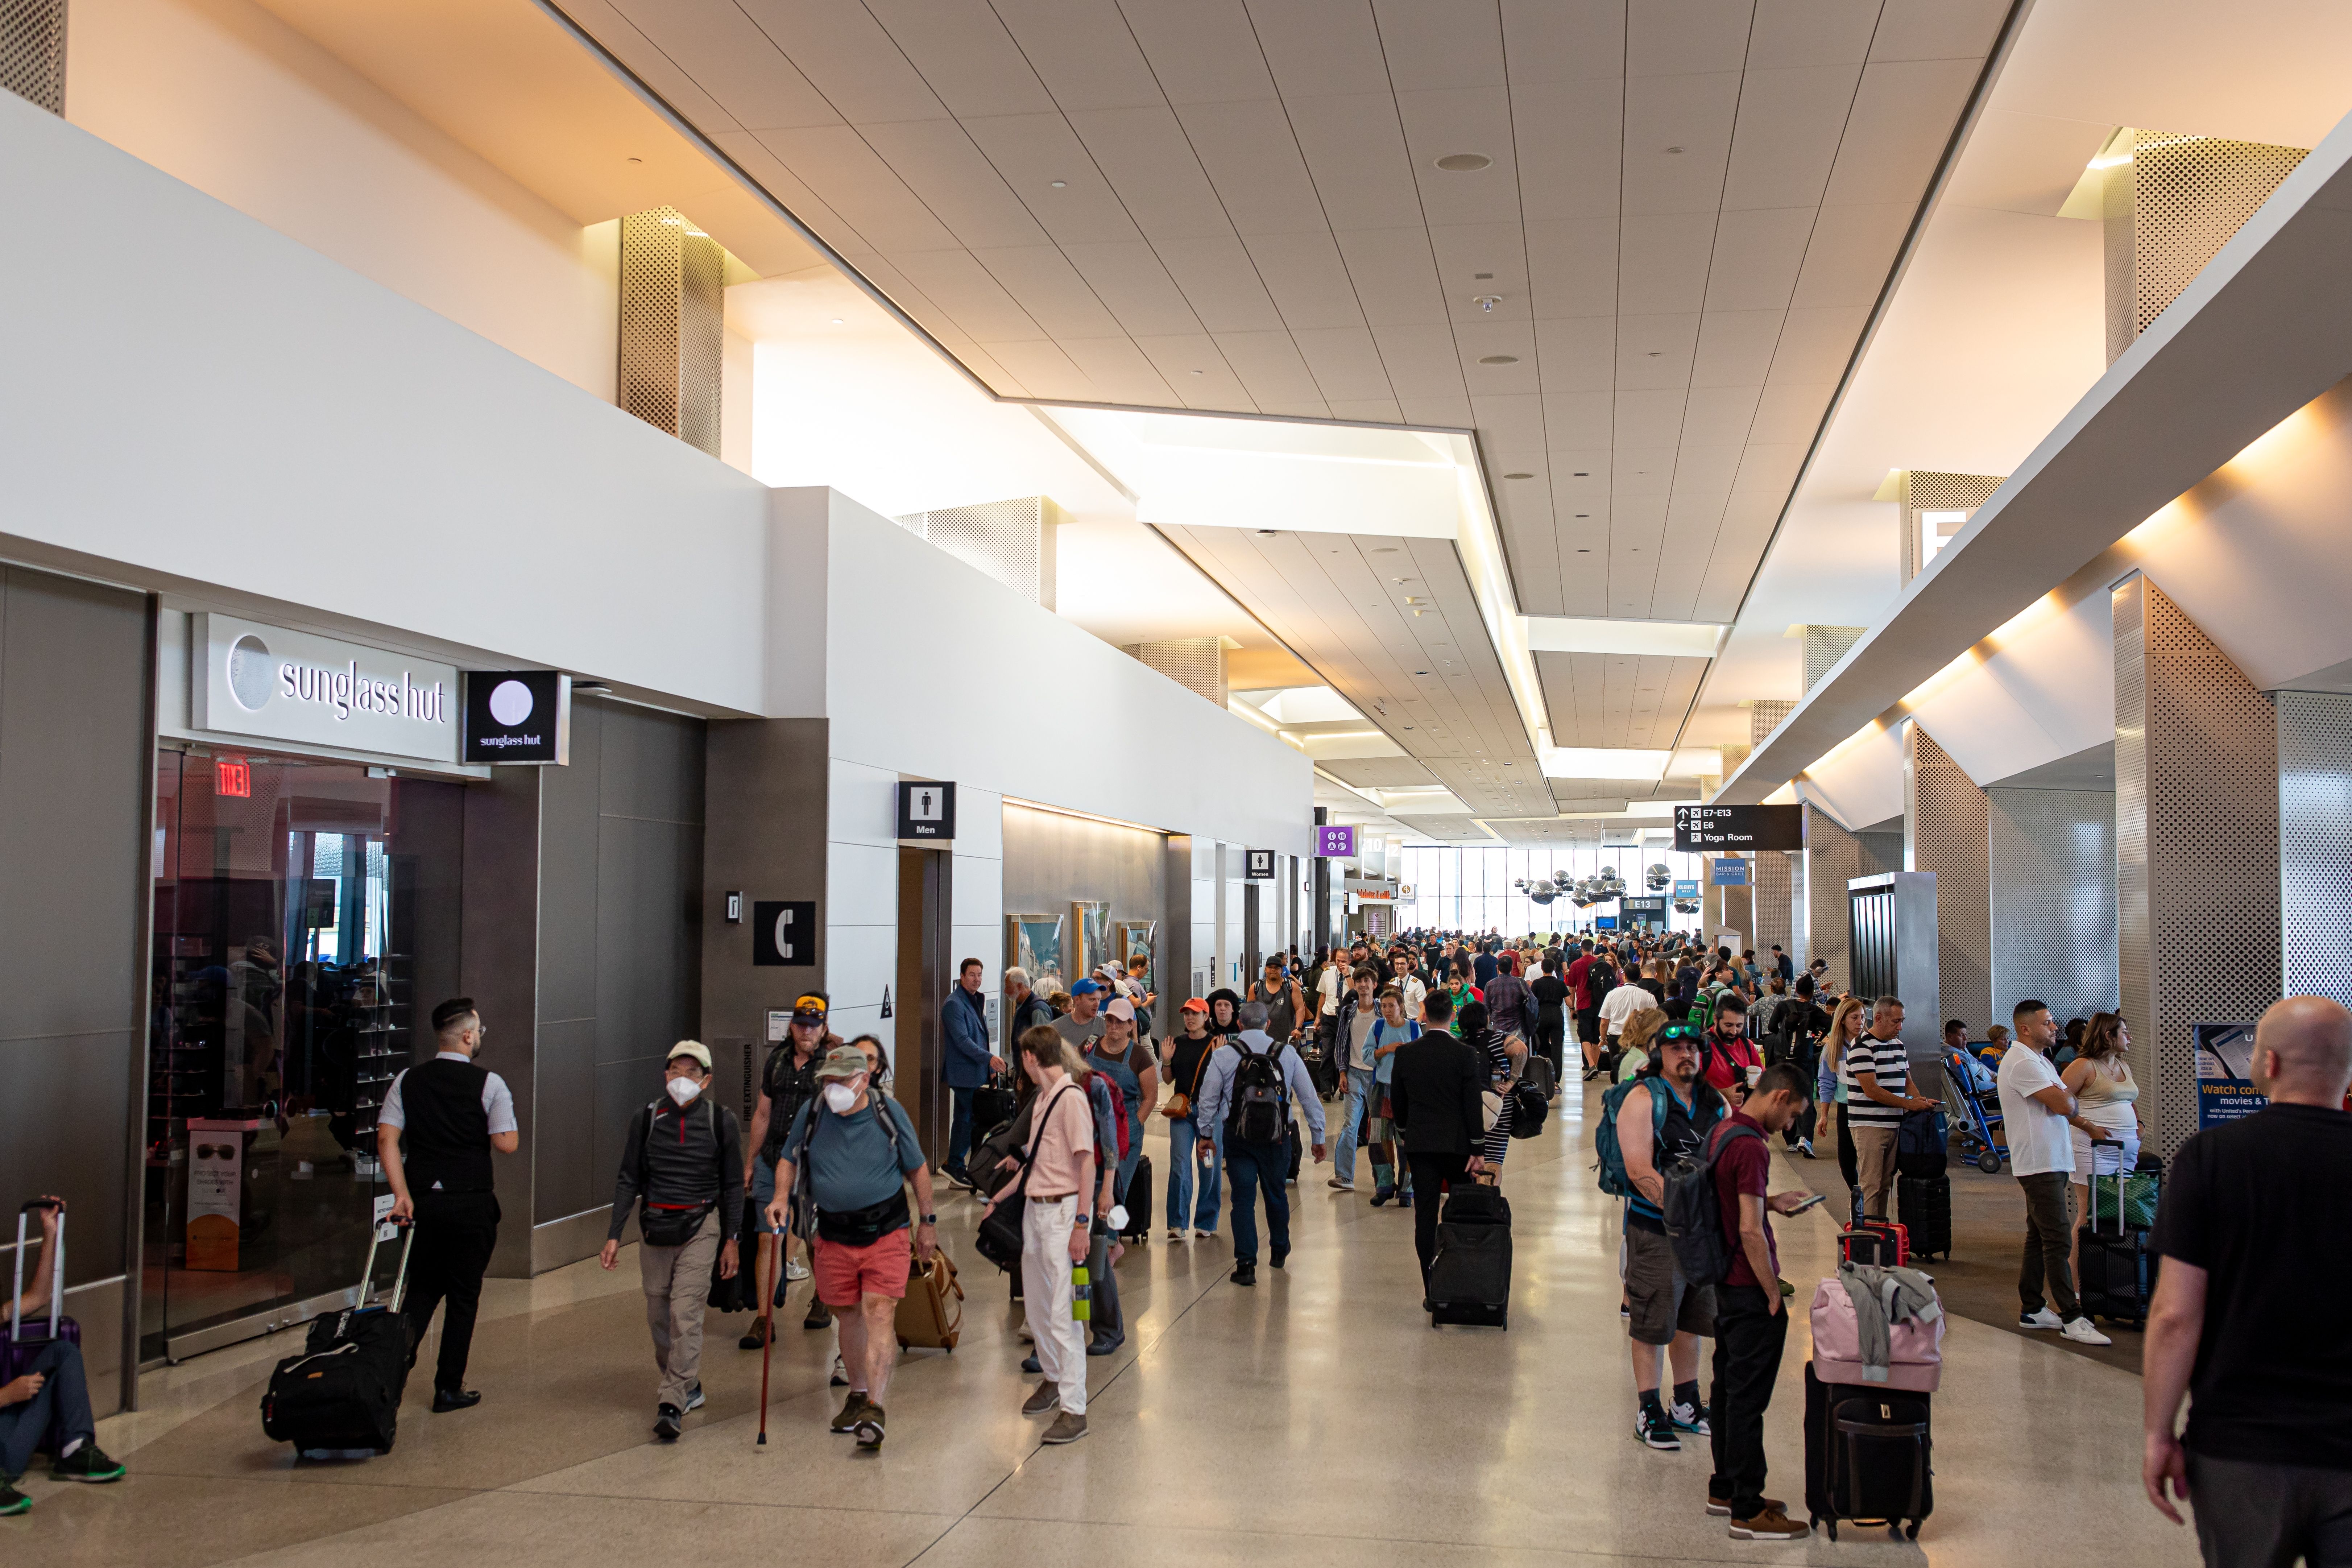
(1384,1071)
(851,1165)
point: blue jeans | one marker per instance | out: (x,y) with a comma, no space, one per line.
(1183,1132)
(1361,1093)
(960,1129)
(51,1418)
(1250,1166)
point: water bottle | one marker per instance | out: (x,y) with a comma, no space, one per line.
(1082,1294)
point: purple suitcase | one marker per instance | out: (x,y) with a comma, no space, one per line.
(18,1348)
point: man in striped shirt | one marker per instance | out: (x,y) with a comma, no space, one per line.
(1877,1073)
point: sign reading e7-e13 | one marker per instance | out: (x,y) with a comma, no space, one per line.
(1698,828)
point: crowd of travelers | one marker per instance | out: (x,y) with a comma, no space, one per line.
(1416,1054)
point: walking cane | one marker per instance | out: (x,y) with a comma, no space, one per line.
(768,1339)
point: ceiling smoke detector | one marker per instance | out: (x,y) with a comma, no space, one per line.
(1500,359)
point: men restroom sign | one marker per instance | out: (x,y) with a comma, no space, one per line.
(784,933)
(927,810)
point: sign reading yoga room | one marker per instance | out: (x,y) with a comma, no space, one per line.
(248,679)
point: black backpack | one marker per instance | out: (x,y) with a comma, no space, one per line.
(1694,1215)
(1261,1112)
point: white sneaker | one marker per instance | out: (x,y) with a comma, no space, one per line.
(1175,1235)
(795,1270)
(2044,1318)
(2079,1330)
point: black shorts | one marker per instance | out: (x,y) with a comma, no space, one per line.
(1588,1025)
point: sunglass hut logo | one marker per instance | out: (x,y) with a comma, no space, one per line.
(257,677)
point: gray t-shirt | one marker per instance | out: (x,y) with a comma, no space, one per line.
(850,1163)
(1360,1047)
(1078,1034)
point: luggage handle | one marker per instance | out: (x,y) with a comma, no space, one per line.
(375,1235)
(56,1274)
(2096,1145)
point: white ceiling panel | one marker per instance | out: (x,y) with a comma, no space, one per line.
(1083,50)
(1719,416)
(1422,362)
(1436,47)
(1736,347)
(1254,164)
(1678,141)
(965,55)
(954,181)
(969,293)
(1572,266)
(1394,276)
(1548,42)
(1815,344)
(1120,368)
(1355,148)
(1200,51)
(1462,120)
(1131,281)
(1903,117)
(1380,772)
(1047,368)
(1662,261)
(1671,37)
(1151,165)
(1935,29)
(729,58)
(1043,283)
(1220,283)
(1853,249)
(866,78)
(852,179)
(1790,33)
(1193,364)
(1759,254)
(1346,362)
(1579,353)
(1308,279)
(1321,49)
(1790,122)
(1571,157)
(1273,370)
(1790,412)
(1033,151)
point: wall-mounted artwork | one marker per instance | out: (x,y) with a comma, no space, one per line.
(1090,937)
(1033,944)
(1134,951)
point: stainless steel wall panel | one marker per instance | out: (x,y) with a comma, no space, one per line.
(1832,858)
(2053,857)
(2314,761)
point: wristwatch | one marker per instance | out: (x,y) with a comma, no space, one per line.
(930,1219)
(1082,1219)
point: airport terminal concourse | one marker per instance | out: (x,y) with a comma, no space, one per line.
(1000,780)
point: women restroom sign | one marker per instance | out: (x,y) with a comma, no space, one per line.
(1335,842)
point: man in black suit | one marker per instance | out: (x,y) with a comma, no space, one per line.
(1436,1095)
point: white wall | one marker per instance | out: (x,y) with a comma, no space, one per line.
(225,96)
(195,400)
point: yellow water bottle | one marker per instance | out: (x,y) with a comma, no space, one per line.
(1082,1294)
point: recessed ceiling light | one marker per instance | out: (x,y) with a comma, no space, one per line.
(1673,149)
(636,160)
(1499,359)
(1265,533)
(1518,475)
(1464,163)
(836,321)
(1584,514)
(1061,185)
(1581,474)
(1480,277)
(1584,553)
(1383,549)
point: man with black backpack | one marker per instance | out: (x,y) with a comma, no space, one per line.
(1251,1084)
(682,1158)
(1751,1322)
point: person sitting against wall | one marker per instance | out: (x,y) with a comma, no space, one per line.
(48,1404)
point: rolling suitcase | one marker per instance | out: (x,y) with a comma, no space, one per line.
(931,1314)
(1138,1202)
(992,1104)
(1926,1205)
(1869,1455)
(20,1349)
(2118,1270)
(1882,1242)
(1470,1277)
(1297,1146)
(340,1397)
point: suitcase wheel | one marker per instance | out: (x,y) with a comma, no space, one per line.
(1911,1530)
(1832,1524)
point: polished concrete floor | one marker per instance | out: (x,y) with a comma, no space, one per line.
(1316,1420)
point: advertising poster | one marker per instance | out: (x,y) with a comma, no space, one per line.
(216,1164)
(2225,1088)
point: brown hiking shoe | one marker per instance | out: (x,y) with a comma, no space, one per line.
(1771,1524)
(1721,1507)
(1066,1428)
(851,1409)
(1046,1398)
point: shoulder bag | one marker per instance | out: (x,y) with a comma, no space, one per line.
(673,1225)
(1179,1104)
(999,1239)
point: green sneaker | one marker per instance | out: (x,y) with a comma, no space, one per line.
(88,1463)
(13,1501)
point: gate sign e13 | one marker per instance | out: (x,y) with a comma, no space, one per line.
(1701,829)
(1336,841)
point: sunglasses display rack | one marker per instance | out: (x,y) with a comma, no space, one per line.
(381,1036)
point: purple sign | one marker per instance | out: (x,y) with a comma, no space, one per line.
(1335,842)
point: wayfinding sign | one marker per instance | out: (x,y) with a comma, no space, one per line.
(1701,829)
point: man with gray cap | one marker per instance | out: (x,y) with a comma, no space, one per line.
(683,1161)
(860,1151)
(1248,1089)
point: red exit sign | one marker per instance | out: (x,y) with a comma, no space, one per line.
(232,778)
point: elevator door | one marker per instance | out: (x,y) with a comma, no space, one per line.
(923,978)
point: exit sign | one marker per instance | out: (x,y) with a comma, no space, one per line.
(232,778)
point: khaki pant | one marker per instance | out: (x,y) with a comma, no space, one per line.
(1874,1155)
(678,1287)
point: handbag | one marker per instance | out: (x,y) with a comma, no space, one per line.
(999,1238)
(1179,1104)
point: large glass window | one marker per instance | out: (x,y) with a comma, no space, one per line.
(1474,888)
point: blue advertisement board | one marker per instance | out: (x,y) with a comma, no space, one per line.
(1727,873)
(2225,1088)
(1686,888)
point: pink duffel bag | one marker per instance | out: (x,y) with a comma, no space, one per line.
(1916,1352)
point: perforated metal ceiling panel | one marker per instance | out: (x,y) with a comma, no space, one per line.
(672,326)
(2197,846)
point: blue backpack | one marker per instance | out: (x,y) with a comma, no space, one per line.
(1614,1179)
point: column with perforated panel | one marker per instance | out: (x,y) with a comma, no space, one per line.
(673,324)
(33,51)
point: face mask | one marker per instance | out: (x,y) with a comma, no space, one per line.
(684,1090)
(839,1098)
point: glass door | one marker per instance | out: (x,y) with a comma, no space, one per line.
(281,1012)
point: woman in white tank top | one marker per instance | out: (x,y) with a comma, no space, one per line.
(2101,1081)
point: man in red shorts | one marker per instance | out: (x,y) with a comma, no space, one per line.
(860,1149)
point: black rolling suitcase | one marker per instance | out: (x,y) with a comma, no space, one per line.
(1297,1147)
(1470,1277)
(993,1104)
(2118,1275)
(1869,1455)
(1925,1204)
(1138,1202)
(340,1397)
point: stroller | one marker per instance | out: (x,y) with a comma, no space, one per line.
(1973,1101)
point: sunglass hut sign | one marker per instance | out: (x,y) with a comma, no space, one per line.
(248,679)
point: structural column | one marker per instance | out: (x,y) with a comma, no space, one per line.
(2052,858)
(2315,795)
(1774,914)
(1832,857)
(2196,847)
(1944,832)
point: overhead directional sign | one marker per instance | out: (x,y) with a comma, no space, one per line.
(1701,829)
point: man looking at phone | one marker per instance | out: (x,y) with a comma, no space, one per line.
(1751,1323)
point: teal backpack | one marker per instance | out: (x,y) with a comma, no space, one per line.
(1614,1179)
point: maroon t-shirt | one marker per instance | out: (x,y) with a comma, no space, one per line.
(1743,1165)
(1575,973)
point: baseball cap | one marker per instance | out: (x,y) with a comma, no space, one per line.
(842,1062)
(1085,988)
(694,1049)
(1120,1007)
(811,1007)
(1193,1004)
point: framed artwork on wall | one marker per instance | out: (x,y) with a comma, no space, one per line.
(1089,936)
(1034,942)
(1134,951)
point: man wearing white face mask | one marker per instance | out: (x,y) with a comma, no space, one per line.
(684,1159)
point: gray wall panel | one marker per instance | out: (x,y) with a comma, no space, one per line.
(766,788)
(569,870)
(75,759)
(567,1178)
(654,765)
(650,985)
(1051,860)
(2053,899)
(1944,826)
